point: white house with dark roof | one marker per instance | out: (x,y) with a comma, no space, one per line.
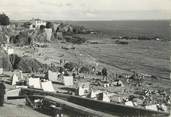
(36,23)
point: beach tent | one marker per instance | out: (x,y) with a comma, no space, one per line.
(81,91)
(104,97)
(93,94)
(116,98)
(164,107)
(1,70)
(14,79)
(68,80)
(48,86)
(129,103)
(19,74)
(10,51)
(83,87)
(52,76)
(152,107)
(35,83)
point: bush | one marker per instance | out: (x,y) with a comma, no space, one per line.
(70,66)
(22,39)
(30,65)
(42,27)
(49,25)
(84,69)
(4,19)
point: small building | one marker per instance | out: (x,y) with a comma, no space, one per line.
(36,23)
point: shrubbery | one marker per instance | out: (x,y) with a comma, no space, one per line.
(84,69)
(49,25)
(70,66)
(4,19)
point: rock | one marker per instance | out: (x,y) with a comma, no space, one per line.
(5,62)
(29,65)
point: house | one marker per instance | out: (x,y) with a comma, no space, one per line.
(36,23)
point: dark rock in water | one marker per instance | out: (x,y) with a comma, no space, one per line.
(75,39)
(5,62)
(121,42)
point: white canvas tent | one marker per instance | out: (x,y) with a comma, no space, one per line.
(152,107)
(10,51)
(68,80)
(35,83)
(81,91)
(83,87)
(116,98)
(14,79)
(129,103)
(19,74)
(94,94)
(1,70)
(48,86)
(52,76)
(105,98)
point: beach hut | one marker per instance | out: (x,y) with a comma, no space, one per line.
(35,83)
(48,86)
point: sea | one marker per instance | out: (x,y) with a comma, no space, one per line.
(148,28)
(157,50)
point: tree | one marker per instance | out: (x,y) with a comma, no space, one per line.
(42,27)
(49,25)
(4,19)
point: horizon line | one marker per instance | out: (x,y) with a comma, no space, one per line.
(95,19)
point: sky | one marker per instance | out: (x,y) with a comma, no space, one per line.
(86,9)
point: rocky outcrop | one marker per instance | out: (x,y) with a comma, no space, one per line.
(5,61)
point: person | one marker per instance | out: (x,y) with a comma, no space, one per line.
(93,69)
(2,93)
(104,73)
